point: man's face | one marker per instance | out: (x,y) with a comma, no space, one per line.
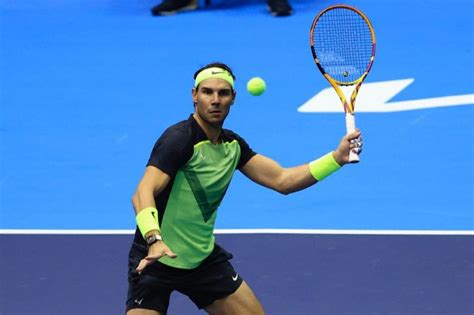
(212,101)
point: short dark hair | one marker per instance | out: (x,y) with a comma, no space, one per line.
(217,65)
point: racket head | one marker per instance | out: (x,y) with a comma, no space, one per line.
(342,41)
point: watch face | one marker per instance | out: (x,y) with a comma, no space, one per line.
(151,239)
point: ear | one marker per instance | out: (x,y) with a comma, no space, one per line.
(233,98)
(194,95)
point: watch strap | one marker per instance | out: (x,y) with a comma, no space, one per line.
(152,239)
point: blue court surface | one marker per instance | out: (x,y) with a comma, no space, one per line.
(87,86)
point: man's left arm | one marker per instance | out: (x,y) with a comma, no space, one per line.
(269,173)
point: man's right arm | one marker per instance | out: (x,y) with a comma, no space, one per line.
(152,183)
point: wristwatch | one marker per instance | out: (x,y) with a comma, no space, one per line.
(152,239)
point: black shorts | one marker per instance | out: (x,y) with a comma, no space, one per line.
(214,279)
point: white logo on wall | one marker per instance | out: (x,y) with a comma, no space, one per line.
(376,96)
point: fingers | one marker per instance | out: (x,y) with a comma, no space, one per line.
(143,263)
(356,144)
(349,142)
(353,135)
(170,254)
(148,260)
(355,141)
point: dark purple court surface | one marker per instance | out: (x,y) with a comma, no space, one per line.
(291,274)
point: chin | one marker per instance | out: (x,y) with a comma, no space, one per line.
(214,121)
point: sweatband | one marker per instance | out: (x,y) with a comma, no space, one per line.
(323,167)
(214,72)
(147,220)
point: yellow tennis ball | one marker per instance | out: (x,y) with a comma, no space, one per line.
(256,86)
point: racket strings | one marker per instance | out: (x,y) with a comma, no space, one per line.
(343,44)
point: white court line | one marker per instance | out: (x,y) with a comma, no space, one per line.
(251,231)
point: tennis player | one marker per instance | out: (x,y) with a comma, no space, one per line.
(176,201)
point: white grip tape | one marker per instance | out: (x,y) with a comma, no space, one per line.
(350,127)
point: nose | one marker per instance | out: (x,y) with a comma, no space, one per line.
(215,98)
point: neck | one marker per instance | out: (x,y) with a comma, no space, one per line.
(212,132)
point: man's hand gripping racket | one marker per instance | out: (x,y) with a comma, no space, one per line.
(342,41)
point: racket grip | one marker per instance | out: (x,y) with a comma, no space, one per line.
(350,127)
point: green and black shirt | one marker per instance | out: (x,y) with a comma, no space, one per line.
(200,173)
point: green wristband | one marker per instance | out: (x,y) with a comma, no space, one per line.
(147,220)
(323,167)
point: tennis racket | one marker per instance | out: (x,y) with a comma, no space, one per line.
(342,41)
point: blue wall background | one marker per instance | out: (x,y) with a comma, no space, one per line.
(87,87)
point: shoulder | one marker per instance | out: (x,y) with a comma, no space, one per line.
(178,132)
(173,148)
(176,139)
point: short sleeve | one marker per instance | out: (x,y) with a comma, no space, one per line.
(171,151)
(246,153)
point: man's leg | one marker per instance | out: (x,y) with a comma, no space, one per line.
(241,302)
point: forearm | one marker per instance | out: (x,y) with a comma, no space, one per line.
(294,179)
(269,173)
(303,176)
(143,199)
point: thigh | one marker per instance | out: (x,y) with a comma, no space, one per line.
(214,279)
(148,292)
(210,283)
(241,302)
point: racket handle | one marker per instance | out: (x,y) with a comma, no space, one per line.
(350,127)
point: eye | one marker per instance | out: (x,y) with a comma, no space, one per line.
(224,93)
